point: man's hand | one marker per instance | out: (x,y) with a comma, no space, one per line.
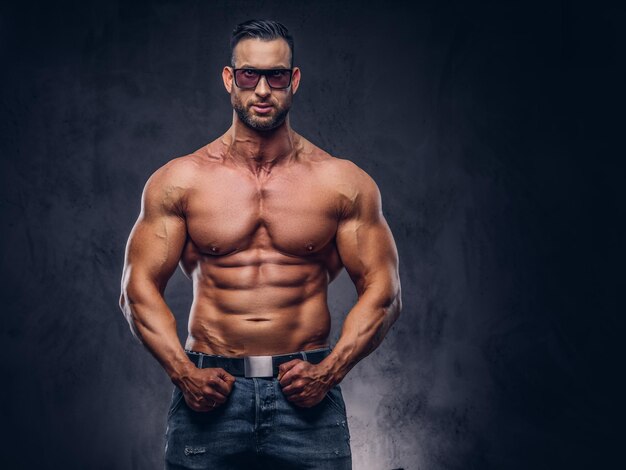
(205,389)
(303,383)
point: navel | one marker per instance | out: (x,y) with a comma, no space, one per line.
(310,247)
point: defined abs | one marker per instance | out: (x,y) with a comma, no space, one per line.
(259,331)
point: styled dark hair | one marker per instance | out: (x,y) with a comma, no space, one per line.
(266,30)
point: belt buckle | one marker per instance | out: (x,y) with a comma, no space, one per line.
(258,366)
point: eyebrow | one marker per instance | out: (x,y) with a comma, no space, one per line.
(247,66)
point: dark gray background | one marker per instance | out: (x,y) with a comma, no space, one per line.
(491,129)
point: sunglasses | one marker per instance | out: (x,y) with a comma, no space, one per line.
(277,79)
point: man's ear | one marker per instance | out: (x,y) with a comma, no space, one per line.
(295,80)
(227,78)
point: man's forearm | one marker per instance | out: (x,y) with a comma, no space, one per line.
(363,330)
(153,324)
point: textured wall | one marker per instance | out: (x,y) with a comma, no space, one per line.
(484,128)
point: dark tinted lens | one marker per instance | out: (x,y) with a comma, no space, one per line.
(279,78)
(246,78)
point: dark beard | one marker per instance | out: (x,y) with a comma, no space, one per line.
(265,125)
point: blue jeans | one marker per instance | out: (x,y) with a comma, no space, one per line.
(258,427)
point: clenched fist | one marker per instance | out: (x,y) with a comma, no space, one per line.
(303,383)
(205,389)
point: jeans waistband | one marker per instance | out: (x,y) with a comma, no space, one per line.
(255,366)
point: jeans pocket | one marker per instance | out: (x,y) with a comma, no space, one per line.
(335,399)
(177,399)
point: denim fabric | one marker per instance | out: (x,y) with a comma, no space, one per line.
(258,427)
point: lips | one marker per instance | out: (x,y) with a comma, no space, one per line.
(262,107)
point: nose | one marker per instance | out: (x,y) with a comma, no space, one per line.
(263,88)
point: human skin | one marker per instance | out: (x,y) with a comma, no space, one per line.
(261,221)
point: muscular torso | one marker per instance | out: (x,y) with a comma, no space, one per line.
(261,251)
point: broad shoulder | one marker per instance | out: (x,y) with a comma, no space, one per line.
(347,172)
(338,171)
(356,189)
(360,193)
(180,171)
(168,186)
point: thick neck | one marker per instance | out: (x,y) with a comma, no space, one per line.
(259,150)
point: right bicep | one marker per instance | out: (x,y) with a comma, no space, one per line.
(157,239)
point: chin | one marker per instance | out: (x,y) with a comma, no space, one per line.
(262,123)
(264,126)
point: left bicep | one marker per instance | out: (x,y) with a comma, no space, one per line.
(365,242)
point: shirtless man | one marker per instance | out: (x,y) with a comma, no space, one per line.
(262,221)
